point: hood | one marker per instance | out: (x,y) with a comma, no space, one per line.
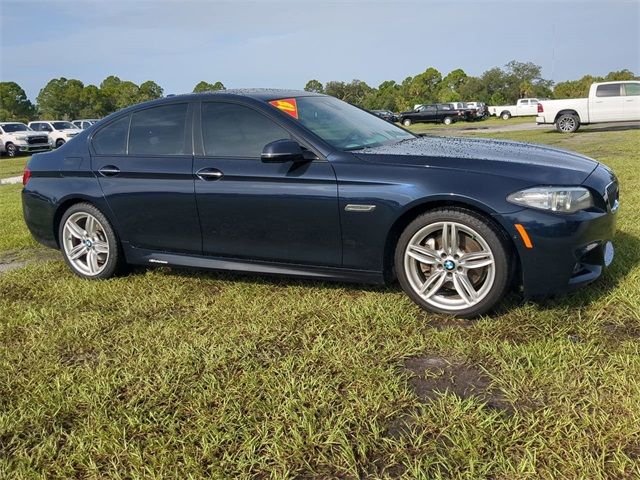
(539,164)
(27,133)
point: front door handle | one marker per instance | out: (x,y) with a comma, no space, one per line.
(209,174)
(109,171)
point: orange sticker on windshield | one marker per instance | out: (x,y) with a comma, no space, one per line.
(287,105)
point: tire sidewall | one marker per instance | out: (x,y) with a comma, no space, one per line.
(505,115)
(11,150)
(115,260)
(576,123)
(59,143)
(447,121)
(491,235)
(406,122)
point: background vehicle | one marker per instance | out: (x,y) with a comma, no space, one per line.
(385,115)
(607,102)
(248,181)
(16,137)
(85,123)
(438,113)
(59,131)
(523,107)
(480,108)
(467,113)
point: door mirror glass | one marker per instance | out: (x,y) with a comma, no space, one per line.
(284,150)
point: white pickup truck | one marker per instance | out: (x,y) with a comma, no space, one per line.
(607,102)
(524,107)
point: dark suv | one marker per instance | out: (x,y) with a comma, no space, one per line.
(438,113)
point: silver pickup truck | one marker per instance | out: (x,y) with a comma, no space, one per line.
(16,138)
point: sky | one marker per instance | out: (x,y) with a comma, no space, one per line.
(284,44)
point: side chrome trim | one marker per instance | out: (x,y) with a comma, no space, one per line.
(356,207)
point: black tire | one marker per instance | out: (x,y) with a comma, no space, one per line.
(567,123)
(406,122)
(447,120)
(115,263)
(60,142)
(11,149)
(502,257)
(505,115)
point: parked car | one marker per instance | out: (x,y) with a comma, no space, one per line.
(480,108)
(607,102)
(466,113)
(59,131)
(16,138)
(85,123)
(385,115)
(305,185)
(439,113)
(523,107)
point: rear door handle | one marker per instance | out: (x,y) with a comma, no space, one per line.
(209,174)
(109,171)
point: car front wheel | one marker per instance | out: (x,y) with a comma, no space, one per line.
(447,121)
(406,122)
(453,261)
(88,242)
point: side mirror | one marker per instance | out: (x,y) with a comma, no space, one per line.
(281,151)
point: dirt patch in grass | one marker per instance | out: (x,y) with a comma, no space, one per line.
(19,258)
(431,375)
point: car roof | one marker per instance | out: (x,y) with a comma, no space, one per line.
(11,123)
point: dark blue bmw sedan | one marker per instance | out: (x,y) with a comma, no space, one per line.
(301,184)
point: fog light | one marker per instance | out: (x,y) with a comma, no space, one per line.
(608,253)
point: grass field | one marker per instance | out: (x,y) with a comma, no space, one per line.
(489,122)
(173,374)
(11,167)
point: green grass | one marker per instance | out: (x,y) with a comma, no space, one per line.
(13,231)
(173,374)
(12,167)
(489,122)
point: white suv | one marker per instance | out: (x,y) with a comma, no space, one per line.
(16,137)
(85,123)
(59,131)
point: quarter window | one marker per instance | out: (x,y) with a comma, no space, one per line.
(112,139)
(609,90)
(159,131)
(231,130)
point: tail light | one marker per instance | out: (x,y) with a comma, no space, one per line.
(540,109)
(26,175)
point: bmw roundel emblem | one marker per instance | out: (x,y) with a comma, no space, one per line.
(449,265)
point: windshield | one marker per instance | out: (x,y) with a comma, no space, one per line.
(15,127)
(344,126)
(62,125)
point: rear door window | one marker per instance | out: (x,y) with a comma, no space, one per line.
(632,89)
(609,90)
(159,131)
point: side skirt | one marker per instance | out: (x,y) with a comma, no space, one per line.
(141,256)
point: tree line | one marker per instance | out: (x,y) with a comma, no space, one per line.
(69,99)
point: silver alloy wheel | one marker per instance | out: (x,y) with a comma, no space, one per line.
(85,243)
(450,265)
(406,122)
(447,121)
(567,124)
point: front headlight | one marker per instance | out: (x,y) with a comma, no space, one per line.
(555,199)
(22,137)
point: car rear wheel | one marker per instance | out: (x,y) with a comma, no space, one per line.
(453,261)
(505,115)
(88,242)
(567,123)
(447,120)
(11,149)
(406,122)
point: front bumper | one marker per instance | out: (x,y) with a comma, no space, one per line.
(39,147)
(568,251)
